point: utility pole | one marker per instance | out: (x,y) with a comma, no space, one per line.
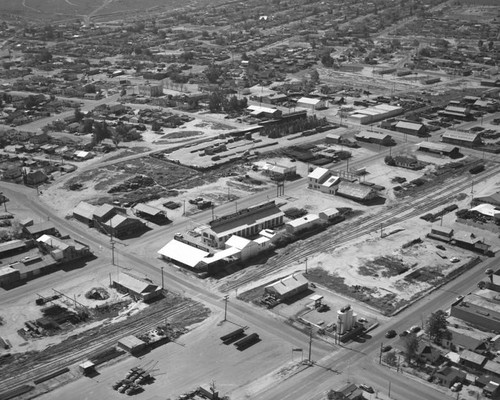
(390,389)
(306,266)
(162,282)
(184,212)
(381,231)
(310,343)
(226,297)
(380,355)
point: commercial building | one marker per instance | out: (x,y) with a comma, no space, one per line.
(330,214)
(63,250)
(461,138)
(11,247)
(374,137)
(317,177)
(245,223)
(493,199)
(136,288)
(411,128)
(479,312)
(288,287)
(279,171)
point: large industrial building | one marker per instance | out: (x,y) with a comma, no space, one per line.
(374,114)
(245,223)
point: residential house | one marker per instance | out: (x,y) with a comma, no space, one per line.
(349,392)
(448,376)
(35,178)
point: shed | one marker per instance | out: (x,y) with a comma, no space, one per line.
(411,128)
(131,344)
(329,214)
(288,287)
(37,230)
(184,253)
(87,367)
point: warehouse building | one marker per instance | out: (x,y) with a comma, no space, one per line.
(84,212)
(374,137)
(411,128)
(356,192)
(277,171)
(461,138)
(137,288)
(121,226)
(309,221)
(288,287)
(439,148)
(245,223)
(150,213)
(312,104)
(258,111)
(131,344)
(44,228)
(11,247)
(374,114)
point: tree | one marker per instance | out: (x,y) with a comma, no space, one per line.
(155,126)
(436,326)
(116,137)
(314,76)
(213,73)
(389,160)
(101,132)
(78,114)
(411,347)
(45,55)
(327,60)
(391,359)
(216,101)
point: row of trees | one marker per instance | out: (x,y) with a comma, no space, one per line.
(291,127)
(219,101)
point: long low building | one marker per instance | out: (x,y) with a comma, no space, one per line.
(461,138)
(439,148)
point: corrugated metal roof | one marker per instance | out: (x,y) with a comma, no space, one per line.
(85,210)
(288,284)
(354,190)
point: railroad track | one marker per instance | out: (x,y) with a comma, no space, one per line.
(65,355)
(332,238)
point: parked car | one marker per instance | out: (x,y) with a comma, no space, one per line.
(404,333)
(390,334)
(457,386)
(386,348)
(454,259)
(367,388)
(415,329)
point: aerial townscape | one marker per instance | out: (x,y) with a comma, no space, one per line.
(260,200)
